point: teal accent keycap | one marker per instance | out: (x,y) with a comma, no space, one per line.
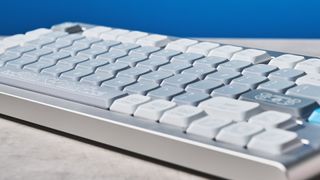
(315,117)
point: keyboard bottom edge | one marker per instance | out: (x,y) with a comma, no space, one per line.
(53,113)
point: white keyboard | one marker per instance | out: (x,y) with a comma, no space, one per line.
(224,110)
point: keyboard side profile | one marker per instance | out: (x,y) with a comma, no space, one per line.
(83,80)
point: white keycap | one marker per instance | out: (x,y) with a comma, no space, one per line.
(182,116)
(225,51)
(275,141)
(129,103)
(309,65)
(231,109)
(15,40)
(38,32)
(252,55)
(239,133)
(202,48)
(153,110)
(286,61)
(312,79)
(273,119)
(113,34)
(154,40)
(96,31)
(35,34)
(131,37)
(181,44)
(207,126)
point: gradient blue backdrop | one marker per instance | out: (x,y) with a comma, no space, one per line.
(200,18)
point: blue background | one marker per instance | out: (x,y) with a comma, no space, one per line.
(197,18)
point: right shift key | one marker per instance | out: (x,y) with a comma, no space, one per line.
(297,106)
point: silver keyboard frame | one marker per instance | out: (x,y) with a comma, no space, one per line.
(160,142)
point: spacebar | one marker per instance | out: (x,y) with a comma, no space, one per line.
(73,91)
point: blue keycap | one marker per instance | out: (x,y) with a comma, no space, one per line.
(315,117)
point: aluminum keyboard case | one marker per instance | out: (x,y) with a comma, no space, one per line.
(161,141)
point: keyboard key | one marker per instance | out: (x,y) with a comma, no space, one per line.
(190,98)
(118,83)
(112,56)
(131,37)
(19,50)
(38,53)
(124,47)
(134,72)
(286,61)
(76,74)
(57,46)
(96,79)
(239,133)
(186,57)
(92,52)
(278,86)
(38,66)
(105,44)
(112,68)
(129,104)
(35,34)
(286,74)
(90,95)
(309,66)
(74,49)
(56,70)
(7,57)
(71,38)
(210,62)
(179,80)
(202,48)
(274,119)
(165,54)
(253,56)
(314,118)
(96,31)
(225,51)
(154,40)
(153,110)
(275,141)
(181,44)
(312,79)
(54,57)
(231,91)
(39,43)
(73,61)
(207,126)
(144,50)
(227,108)
(223,76)
(251,82)
(165,92)
(156,76)
(296,106)
(141,88)
(200,72)
(54,35)
(92,64)
(153,63)
(306,91)
(113,34)
(132,60)
(204,86)
(259,69)
(88,42)
(234,65)
(20,62)
(181,116)
(175,67)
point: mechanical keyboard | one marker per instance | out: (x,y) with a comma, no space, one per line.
(224,110)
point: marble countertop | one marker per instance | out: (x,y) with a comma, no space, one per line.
(30,153)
